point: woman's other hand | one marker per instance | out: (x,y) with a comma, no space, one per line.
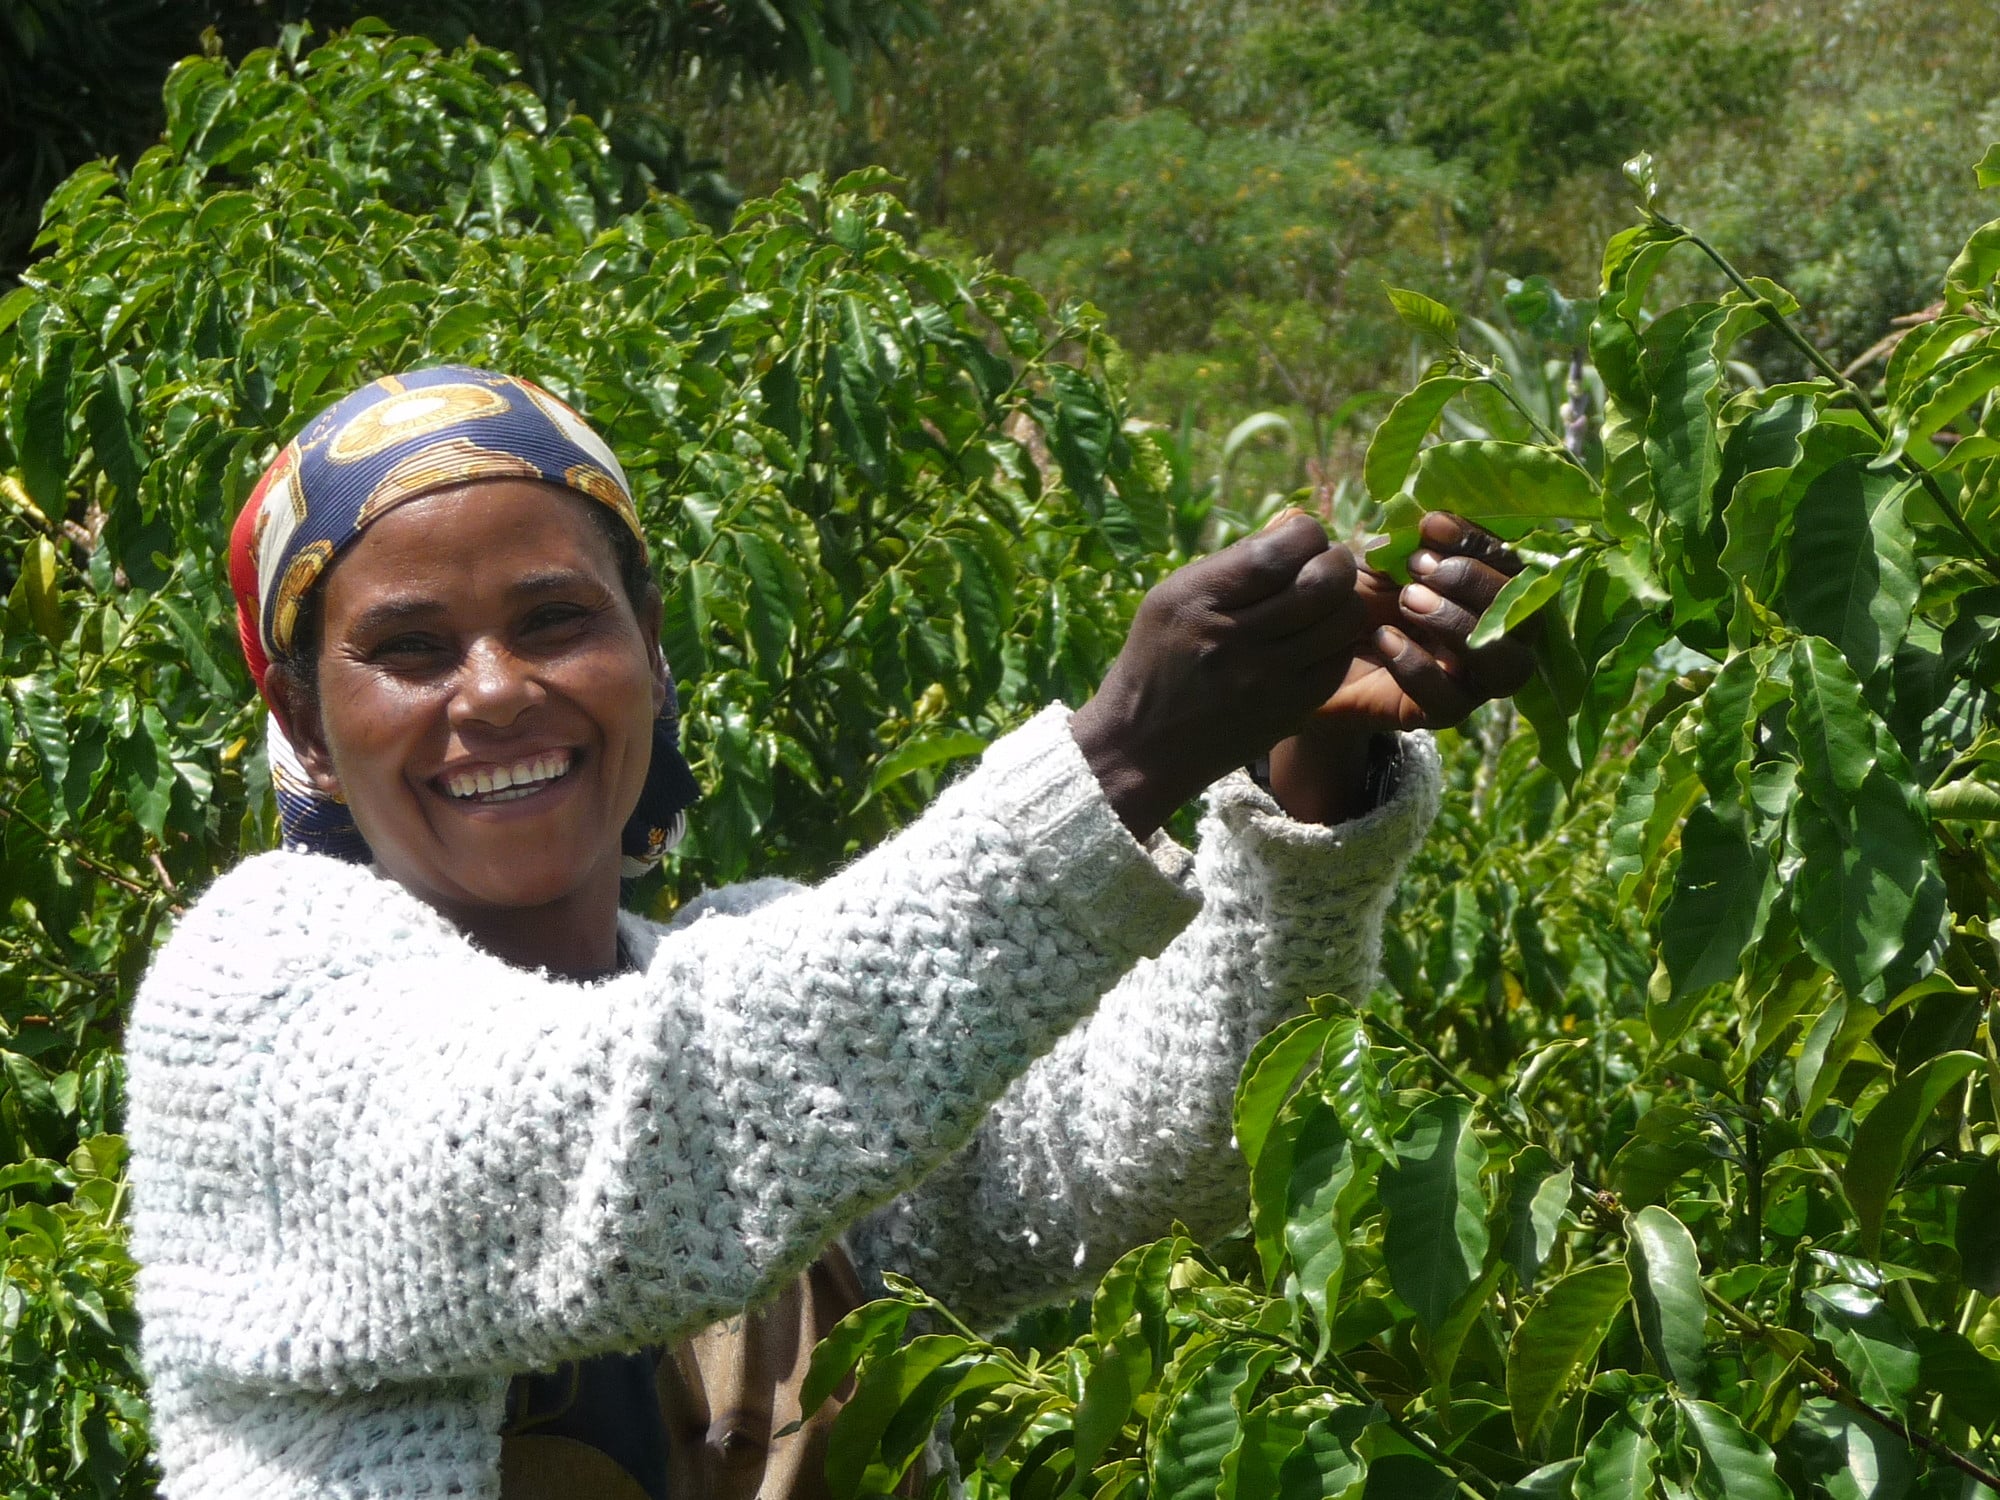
(1415,672)
(1226,657)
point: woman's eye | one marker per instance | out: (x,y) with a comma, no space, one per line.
(407,650)
(555,616)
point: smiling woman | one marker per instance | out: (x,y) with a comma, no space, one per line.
(484,703)
(442,1164)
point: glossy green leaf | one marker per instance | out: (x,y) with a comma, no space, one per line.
(1889,1134)
(1960,1371)
(1853,576)
(1508,488)
(1720,894)
(1315,1238)
(1200,1422)
(1393,449)
(1974,268)
(873,1325)
(1617,1461)
(1667,1295)
(1870,1343)
(878,1397)
(1349,1079)
(1978,1230)
(1435,1240)
(1525,595)
(1270,1074)
(1538,1197)
(1731,1464)
(1557,1340)
(1425,315)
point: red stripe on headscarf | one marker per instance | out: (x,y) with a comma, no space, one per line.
(243,584)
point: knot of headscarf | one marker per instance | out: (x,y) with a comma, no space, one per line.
(394,440)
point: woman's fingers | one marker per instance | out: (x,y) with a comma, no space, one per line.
(1445,625)
(1322,589)
(1434,697)
(1450,535)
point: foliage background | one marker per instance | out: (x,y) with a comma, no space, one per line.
(903,499)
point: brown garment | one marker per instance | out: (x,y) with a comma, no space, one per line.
(721,1397)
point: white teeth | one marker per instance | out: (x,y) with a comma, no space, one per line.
(510,783)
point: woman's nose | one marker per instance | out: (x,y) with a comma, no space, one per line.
(495,686)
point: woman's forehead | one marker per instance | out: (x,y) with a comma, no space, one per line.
(496,539)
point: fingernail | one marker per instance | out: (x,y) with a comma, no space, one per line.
(1422,563)
(1419,600)
(1391,640)
(1282,516)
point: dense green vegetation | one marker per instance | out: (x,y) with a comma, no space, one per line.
(1663,1162)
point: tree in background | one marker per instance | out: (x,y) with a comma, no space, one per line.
(81,78)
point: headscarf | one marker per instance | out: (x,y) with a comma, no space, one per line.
(393,440)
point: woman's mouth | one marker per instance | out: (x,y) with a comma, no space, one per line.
(509,783)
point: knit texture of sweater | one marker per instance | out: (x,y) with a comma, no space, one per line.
(377,1171)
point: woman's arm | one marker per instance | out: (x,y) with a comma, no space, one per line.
(365,1151)
(1126,1126)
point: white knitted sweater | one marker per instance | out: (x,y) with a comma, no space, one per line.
(377,1171)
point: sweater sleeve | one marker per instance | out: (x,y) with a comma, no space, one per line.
(365,1151)
(1126,1125)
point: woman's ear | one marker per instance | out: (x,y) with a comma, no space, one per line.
(296,708)
(652,614)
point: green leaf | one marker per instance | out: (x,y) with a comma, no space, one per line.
(872,1326)
(1731,1464)
(15,303)
(1137,1286)
(922,752)
(1291,1446)
(1978,1231)
(1351,1084)
(1200,1421)
(1720,894)
(1975,267)
(1525,595)
(1868,1340)
(1852,572)
(1889,1135)
(1435,1239)
(1617,1461)
(1425,315)
(1508,488)
(1968,1379)
(1558,1339)
(1668,1141)
(1315,1238)
(41,590)
(1538,1197)
(1855,1458)
(1119,1374)
(1269,1076)
(1666,1295)
(886,1384)
(1868,897)
(1325,1465)
(1393,448)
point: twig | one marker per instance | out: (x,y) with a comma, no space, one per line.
(1838,1390)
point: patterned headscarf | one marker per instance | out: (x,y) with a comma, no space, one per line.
(393,440)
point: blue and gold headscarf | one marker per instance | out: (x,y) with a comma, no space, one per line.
(393,440)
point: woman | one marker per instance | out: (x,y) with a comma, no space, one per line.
(407,1131)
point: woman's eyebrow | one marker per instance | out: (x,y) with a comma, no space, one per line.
(553,581)
(389,613)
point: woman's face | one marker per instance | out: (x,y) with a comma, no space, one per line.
(486,698)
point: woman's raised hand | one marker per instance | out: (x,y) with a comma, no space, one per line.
(1227,656)
(1280,644)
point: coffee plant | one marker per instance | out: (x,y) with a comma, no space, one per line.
(1667,1163)
(894,505)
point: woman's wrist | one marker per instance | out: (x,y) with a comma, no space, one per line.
(1331,775)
